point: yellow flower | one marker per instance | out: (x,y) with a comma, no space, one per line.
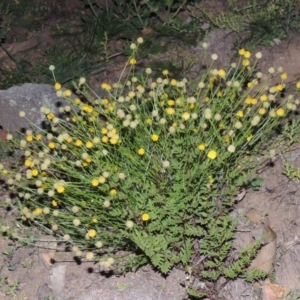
(50,116)
(141,151)
(27,163)
(145,217)
(250,84)
(170,111)
(106,86)
(95,220)
(38,137)
(131,94)
(87,108)
(104,139)
(38,211)
(280,112)
(211,179)
(240,113)
(248,100)
(51,145)
(247,54)
(57,86)
(95,182)
(212,154)
(165,72)
(278,87)
(92,233)
(261,111)
(113,192)
(249,138)
(54,203)
(89,145)
(104,130)
(113,140)
(77,101)
(78,143)
(105,101)
(222,73)
(60,189)
(284,76)
(154,137)
(171,102)
(298,85)
(29,138)
(132,61)
(67,93)
(185,116)
(246,62)
(263,98)
(34,172)
(173,82)
(242,52)
(201,147)
(253,101)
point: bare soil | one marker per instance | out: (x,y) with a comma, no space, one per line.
(45,270)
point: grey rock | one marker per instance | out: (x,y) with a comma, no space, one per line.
(28,98)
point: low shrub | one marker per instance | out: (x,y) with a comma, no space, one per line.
(150,173)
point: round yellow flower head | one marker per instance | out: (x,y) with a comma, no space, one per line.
(92,233)
(145,217)
(132,61)
(202,147)
(154,137)
(95,182)
(57,86)
(280,112)
(242,52)
(106,86)
(67,93)
(221,73)
(212,154)
(113,192)
(38,211)
(60,189)
(186,116)
(141,151)
(170,111)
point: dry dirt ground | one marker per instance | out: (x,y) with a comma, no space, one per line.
(45,271)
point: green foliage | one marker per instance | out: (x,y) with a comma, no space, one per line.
(192,292)
(238,268)
(256,274)
(28,13)
(126,19)
(256,183)
(263,21)
(9,287)
(150,171)
(4,151)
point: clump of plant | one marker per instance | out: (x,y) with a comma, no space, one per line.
(149,173)
(129,18)
(263,22)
